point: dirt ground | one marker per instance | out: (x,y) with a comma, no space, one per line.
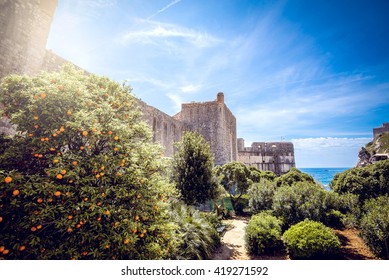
(233,246)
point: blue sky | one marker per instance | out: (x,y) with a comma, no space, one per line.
(312,72)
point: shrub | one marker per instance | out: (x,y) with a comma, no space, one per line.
(241,204)
(300,201)
(367,182)
(294,176)
(195,237)
(263,234)
(80,177)
(311,240)
(261,196)
(375,225)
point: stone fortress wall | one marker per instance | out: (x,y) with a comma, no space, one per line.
(380,130)
(273,156)
(24,30)
(216,123)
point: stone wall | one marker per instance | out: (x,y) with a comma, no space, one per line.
(379,130)
(24,29)
(166,129)
(215,122)
(273,156)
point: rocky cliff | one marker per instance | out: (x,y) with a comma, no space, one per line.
(376,150)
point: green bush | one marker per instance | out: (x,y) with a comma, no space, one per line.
(261,196)
(366,182)
(301,201)
(263,234)
(375,225)
(195,236)
(240,204)
(293,176)
(311,240)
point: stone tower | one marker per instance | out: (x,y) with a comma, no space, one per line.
(215,122)
(24,29)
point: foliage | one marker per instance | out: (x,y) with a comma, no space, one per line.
(192,169)
(241,204)
(302,201)
(235,178)
(195,236)
(256,175)
(367,182)
(263,234)
(311,240)
(80,179)
(261,195)
(375,225)
(293,176)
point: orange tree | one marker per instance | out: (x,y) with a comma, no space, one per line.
(79,180)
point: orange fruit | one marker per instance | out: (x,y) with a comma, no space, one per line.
(69,113)
(59,176)
(15,192)
(50,200)
(1,219)
(5,252)
(58,154)
(126,241)
(97,176)
(134,230)
(43,95)
(36,126)
(36,117)
(70,229)
(8,179)
(115,149)
(99,219)
(30,134)
(116,138)
(39,200)
(33,228)
(102,173)
(85,133)
(84,253)
(102,168)
(55,160)
(78,226)
(136,218)
(82,148)
(62,129)
(74,162)
(52,149)
(39,227)
(2,248)
(107,212)
(63,171)
(40,156)
(55,134)
(141,235)
(57,193)
(85,199)
(70,217)
(103,194)
(110,132)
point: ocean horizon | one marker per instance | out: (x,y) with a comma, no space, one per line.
(324,175)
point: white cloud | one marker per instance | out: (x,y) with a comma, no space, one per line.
(155,32)
(190,88)
(329,142)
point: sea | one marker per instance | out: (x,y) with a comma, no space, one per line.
(324,175)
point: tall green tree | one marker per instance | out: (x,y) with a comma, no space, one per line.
(192,169)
